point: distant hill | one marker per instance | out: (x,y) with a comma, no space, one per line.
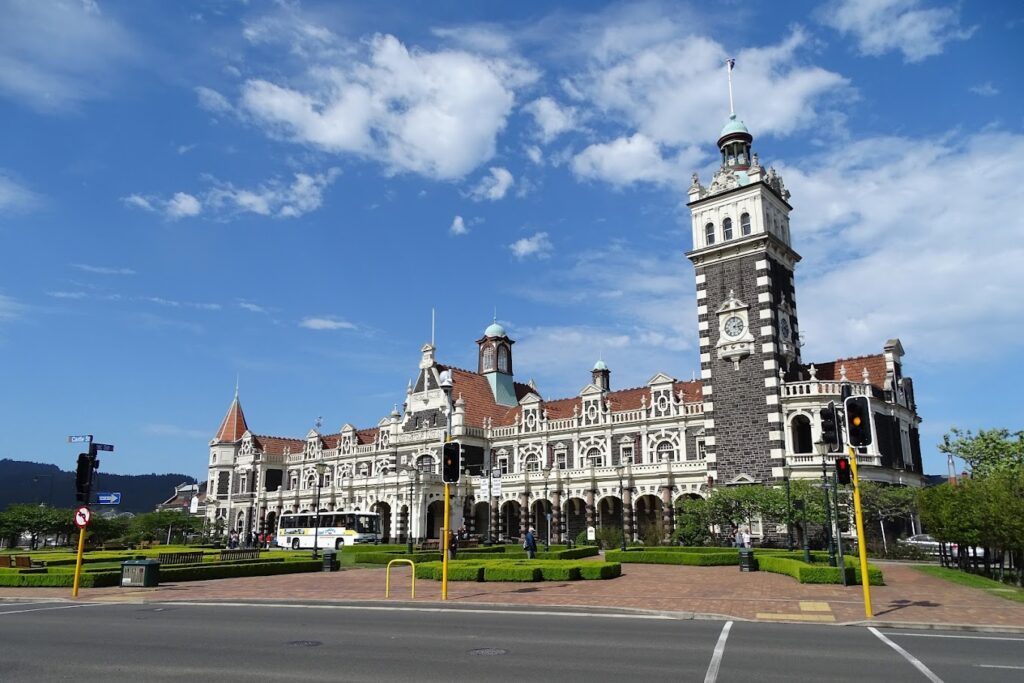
(30,482)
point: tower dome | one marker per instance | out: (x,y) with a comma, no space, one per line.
(600,365)
(734,142)
(495,330)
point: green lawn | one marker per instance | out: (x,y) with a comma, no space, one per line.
(996,588)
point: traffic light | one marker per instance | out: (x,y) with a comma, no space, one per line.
(858,420)
(843,470)
(451,462)
(830,427)
(83,478)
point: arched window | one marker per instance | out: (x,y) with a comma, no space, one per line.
(666,451)
(531,463)
(727,229)
(595,458)
(800,431)
(311,480)
(425,463)
(502,359)
(745,224)
(488,359)
(709,233)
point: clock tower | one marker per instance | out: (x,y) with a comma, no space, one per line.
(746,310)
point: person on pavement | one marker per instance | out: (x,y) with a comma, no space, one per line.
(530,544)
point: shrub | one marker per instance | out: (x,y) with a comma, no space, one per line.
(560,572)
(684,558)
(600,570)
(62,580)
(225,571)
(494,571)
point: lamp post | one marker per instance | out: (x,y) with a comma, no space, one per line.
(410,471)
(787,472)
(35,480)
(622,495)
(822,448)
(320,468)
(547,510)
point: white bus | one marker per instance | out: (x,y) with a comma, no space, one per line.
(336,529)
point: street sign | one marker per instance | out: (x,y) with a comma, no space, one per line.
(496,487)
(102,446)
(108,498)
(193,505)
(81,438)
(82,517)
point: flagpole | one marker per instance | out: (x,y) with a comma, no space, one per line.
(730,63)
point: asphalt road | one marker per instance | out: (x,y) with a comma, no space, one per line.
(185,642)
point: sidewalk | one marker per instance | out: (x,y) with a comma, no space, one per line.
(909,597)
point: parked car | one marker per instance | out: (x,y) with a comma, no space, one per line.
(929,545)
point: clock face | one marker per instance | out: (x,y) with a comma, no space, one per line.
(784,328)
(733,326)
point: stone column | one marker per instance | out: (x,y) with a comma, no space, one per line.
(495,504)
(590,508)
(667,512)
(524,513)
(556,517)
(627,513)
(470,515)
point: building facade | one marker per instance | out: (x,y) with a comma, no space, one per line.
(606,457)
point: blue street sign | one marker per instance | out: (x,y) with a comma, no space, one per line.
(81,438)
(103,447)
(108,498)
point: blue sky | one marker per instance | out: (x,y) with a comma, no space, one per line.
(281,191)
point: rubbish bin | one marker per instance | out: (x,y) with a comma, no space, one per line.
(747,561)
(330,561)
(140,573)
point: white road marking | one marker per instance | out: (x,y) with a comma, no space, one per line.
(446,610)
(942,635)
(43,609)
(999,666)
(909,657)
(716,658)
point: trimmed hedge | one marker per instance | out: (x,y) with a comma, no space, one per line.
(62,580)
(813,573)
(230,571)
(519,570)
(693,559)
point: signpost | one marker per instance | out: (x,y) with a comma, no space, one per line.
(102,446)
(108,498)
(88,463)
(81,438)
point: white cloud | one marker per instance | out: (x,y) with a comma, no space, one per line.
(274,198)
(494,186)
(433,113)
(535,155)
(139,202)
(224,200)
(551,118)
(627,160)
(185,149)
(985,89)
(537,245)
(9,308)
(15,196)
(103,270)
(881,26)
(254,308)
(55,55)
(66,295)
(458,226)
(326,323)
(212,101)
(922,246)
(183,205)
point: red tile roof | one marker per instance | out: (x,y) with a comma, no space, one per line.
(275,445)
(854,369)
(233,426)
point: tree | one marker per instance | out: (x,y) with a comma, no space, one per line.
(988,451)
(157,526)
(883,504)
(693,524)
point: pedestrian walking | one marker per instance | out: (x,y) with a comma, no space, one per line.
(746,538)
(738,538)
(453,545)
(530,544)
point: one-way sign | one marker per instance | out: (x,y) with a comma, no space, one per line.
(103,446)
(108,498)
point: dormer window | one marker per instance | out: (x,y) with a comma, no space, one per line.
(709,233)
(745,224)
(502,359)
(488,362)
(727,229)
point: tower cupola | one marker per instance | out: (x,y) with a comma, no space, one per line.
(734,143)
(601,376)
(495,363)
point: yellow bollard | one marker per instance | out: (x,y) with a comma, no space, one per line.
(387,577)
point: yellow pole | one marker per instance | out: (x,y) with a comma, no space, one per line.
(78,562)
(444,546)
(862,547)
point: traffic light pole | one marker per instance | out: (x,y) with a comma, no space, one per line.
(828,514)
(862,548)
(78,562)
(839,531)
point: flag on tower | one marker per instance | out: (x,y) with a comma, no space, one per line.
(732,63)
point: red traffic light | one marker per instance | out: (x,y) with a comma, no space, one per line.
(843,470)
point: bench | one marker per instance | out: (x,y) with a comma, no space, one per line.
(181,558)
(253,554)
(24,562)
(431,544)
